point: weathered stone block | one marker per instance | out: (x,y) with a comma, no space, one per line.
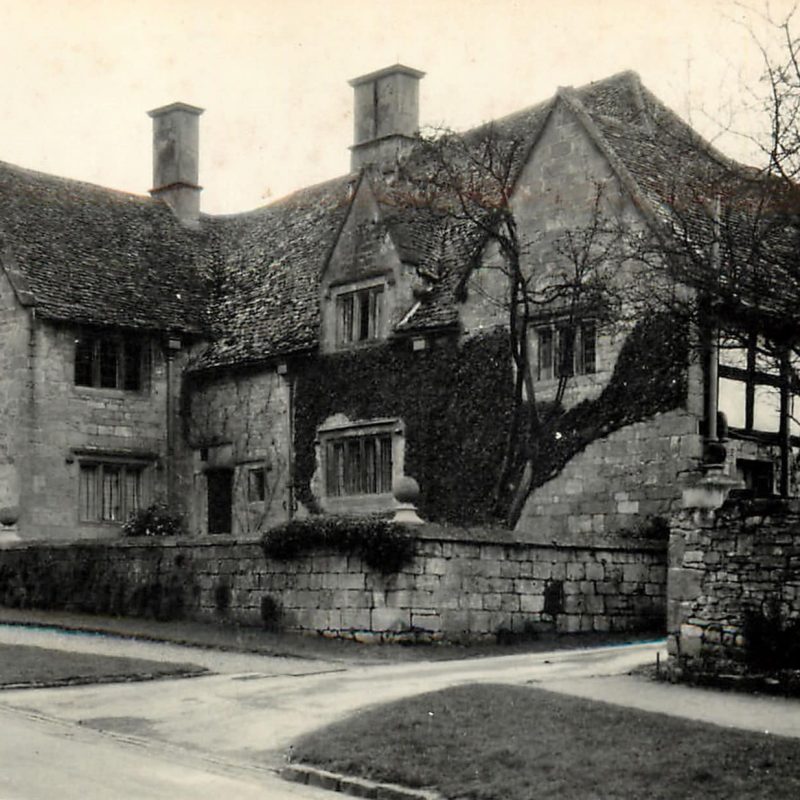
(531,603)
(436,566)
(389,619)
(691,640)
(684,584)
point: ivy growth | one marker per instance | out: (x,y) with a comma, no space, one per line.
(383,545)
(456,403)
(650,376)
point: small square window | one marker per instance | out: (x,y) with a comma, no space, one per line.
(256,485)
(565,350)
(358,464)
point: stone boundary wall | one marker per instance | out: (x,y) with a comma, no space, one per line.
(456,589)
(724,565)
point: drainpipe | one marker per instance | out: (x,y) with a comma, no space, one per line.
(712,364)
(290,497)
(173,346)
(784,430)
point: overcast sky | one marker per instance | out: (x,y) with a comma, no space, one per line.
(79,75)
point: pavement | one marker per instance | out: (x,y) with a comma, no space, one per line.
(229,732)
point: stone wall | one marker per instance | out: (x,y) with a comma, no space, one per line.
(461,586)
(619,481)
(15,386)
(725,565)
(239,422)
(65,423)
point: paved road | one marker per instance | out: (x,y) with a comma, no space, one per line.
(43,758)
(224,735)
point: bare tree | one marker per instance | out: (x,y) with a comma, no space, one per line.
(463,187)
(724,249)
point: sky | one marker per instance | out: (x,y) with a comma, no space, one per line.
(78,76)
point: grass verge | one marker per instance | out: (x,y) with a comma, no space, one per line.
(24,666)
(492,742)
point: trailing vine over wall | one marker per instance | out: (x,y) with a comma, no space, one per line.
(650,376)
(383,545)
(455,402)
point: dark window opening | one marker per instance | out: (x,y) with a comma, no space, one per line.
(566,350)
(757,476)
(220,500)
(106,361)
(256,485)
(359,465)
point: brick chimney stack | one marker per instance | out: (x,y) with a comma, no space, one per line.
(386,116)
(175,159)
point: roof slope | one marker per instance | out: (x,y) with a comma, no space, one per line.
(271,260)
(82,253)
(265,301)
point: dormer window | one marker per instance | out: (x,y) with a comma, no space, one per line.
(359,315)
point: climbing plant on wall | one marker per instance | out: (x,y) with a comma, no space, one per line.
(456,402)
(650,376)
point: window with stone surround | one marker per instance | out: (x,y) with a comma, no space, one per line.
(360,460)
(564,349)
(109,360)
(110,489)
(359,315)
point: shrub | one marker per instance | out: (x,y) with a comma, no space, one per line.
(155,520)
(383,545)
(772,642)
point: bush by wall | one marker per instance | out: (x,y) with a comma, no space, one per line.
(155,520)
(384,546)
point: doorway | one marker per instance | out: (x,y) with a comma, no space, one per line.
(220,500)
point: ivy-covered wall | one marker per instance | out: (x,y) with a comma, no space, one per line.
(455,401)
(614,462)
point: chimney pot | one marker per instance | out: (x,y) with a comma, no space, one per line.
(386,115)
(175,159)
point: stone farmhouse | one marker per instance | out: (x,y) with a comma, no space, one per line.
(301,357)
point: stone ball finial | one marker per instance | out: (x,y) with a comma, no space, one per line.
(405,490)
(9,515)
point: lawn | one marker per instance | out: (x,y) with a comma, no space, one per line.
(516,743)
(24,665)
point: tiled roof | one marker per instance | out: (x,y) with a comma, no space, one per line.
(92,255)
(266,299)
(85,254)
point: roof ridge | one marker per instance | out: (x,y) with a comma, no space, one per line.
(616,162)
(278,202)
(541,105)
(34,174)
